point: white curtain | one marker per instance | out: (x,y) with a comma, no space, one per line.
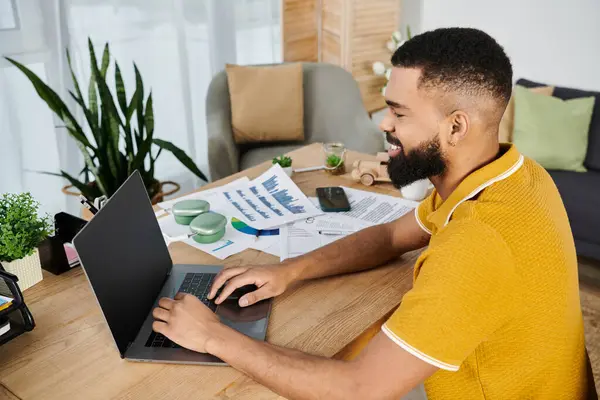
(178,45)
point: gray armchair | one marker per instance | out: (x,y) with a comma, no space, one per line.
(333,112)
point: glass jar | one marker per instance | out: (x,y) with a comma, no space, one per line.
(334,158)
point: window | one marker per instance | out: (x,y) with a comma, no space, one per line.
(8,15)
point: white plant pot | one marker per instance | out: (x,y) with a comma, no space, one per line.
(27,269)
(289,171)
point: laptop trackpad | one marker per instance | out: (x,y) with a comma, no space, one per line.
(250,321)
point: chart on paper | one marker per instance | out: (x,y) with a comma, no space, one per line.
(270,200)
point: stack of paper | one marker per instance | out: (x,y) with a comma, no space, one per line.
(251,207)
(366,209)
(271,214)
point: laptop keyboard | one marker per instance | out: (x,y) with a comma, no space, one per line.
(197,284)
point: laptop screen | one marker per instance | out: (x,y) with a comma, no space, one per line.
(125,258)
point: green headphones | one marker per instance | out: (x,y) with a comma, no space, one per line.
(208,227)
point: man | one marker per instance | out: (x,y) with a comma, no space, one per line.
(494,312)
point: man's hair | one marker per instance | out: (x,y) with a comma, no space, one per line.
(463,60)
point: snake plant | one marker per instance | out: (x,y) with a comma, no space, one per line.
(122,131)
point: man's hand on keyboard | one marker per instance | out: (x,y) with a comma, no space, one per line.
(271,281)
(186,321)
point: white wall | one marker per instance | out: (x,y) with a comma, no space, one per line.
(552,41)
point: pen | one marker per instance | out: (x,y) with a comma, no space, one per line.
(335,233)
(318,168)
(86,203)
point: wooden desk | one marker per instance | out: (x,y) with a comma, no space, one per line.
(71,354)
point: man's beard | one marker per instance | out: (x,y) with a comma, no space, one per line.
(423,162)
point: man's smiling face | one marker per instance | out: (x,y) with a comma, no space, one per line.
(412,128)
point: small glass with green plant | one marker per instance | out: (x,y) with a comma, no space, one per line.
(22,229)
(285,162)
(335,157)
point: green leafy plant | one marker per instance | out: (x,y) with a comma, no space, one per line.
(334,161)
(21,229)
(283,161)
(122,131)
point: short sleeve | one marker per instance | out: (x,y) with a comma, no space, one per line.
(423,210)
(465,289)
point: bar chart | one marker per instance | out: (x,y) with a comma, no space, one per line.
(282,196)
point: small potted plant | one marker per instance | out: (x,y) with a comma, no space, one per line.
(21,230)
(285,162)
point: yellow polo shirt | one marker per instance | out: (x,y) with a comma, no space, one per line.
(495,301)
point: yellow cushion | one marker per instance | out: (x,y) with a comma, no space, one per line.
(267,103)
(505,133)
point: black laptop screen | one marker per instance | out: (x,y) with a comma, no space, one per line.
(126,260)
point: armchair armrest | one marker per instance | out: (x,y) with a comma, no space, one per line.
(223,153)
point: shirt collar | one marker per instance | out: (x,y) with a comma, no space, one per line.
(497,170)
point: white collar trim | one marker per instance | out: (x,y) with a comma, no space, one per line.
(478,189)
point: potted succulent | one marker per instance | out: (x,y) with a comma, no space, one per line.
(122,131)
(21,230)
(285,162)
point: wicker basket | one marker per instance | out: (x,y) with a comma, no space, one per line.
(27,269)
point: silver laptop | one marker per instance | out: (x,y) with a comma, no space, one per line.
(127,263)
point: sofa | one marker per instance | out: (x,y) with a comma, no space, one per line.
(580,191)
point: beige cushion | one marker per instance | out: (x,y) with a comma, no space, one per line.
(267,103)
(505,132)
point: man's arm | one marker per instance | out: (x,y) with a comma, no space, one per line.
(382,371)
(365,249)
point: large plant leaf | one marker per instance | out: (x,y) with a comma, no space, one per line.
(143,150)
(131,108)
(105,61)
(121,93)
(122,98)
(113,165)
(88,116)
(85,171)
(105,94)
(55,103)
(153,161)
(73,77)
(149,117)
(181,156)
(90,192)
(93,100)
(111,121)
(139,107)
(101,180)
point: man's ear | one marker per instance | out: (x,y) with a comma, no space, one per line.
(459,126)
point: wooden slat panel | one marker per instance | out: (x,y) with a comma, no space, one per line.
(353,35)
(302,50)
(331,22)
(360,5)
(299,30)
(370,89)
(372,26)
(331,48)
